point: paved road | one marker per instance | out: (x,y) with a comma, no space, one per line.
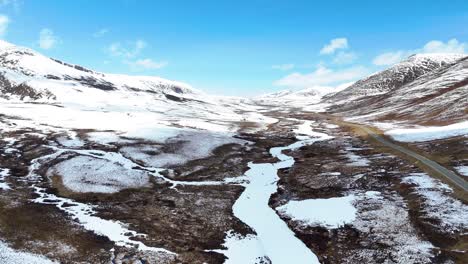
(457,180)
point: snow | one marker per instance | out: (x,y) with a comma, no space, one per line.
(3,174)
(84,213)
(12,256)
(304,131)
(331,212)
(429,133)
(451,214)
(383,219)
(356,160)
(187,145)
(71,141)
(89,174)
(463,170)
(116,231)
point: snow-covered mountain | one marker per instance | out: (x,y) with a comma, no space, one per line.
(91,99)
(424,88)
(28,75)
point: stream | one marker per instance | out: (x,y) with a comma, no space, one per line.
(276,240)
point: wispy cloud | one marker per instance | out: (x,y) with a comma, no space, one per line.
(433,46)
(344,57)
(283,67)
(4,22)
(334,45)
(129,54)
(116,49)
(146,64)
(47,39)
(101,32)
(322,76)
(16,4)
(390,58)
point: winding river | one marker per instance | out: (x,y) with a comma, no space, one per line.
(278,242)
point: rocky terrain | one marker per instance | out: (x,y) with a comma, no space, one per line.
(102,168)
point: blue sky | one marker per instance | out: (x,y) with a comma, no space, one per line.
(237,47)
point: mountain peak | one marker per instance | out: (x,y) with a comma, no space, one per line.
(436,57)
(4,44)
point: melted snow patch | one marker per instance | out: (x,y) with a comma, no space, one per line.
(331,212)
(11,256)
(429,133)
(451,214)
(90,174)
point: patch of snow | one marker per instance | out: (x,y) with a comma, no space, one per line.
(331,126)
(72,141)
(331,212)
(356,160)
(384,220)
(190,145)
(116,231)
(3,174)
(451,213)
(429,133)
(242,249)
(11,256)
(89,174)
(463,170)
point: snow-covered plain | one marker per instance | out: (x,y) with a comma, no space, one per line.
(429,133)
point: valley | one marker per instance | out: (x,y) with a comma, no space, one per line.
(100,168)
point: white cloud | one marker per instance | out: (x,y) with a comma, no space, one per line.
(117,50)
(345,57)
(433,46)
(146,64)
(390,58)
(334,45)
(100,32)
(15,3)
(47,39)
(322,76)
(283,67)
(4,22)
(452,46)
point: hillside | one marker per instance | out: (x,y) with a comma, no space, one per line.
(424,89)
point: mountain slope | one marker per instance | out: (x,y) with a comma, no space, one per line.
(23,67)
(422,89)
(91,99)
